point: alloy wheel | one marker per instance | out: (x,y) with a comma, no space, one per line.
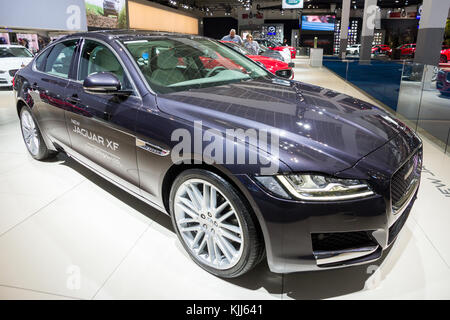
(30,133)
(208,224)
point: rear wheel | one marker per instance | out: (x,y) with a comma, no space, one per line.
(214,224)
(32,136)
(443,59)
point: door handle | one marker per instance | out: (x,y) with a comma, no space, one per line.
(106,116)
(74,99)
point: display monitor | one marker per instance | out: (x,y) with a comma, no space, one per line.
(320,23)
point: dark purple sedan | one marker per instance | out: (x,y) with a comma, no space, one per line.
(248,165)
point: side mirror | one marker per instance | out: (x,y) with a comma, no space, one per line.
(102,83)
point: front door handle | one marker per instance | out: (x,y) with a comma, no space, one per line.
(74,99)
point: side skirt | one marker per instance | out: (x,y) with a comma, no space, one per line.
(109,176)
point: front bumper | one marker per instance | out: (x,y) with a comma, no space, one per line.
(5,80)
(293,229)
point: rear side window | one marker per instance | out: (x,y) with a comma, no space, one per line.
(41,59)
(59,60)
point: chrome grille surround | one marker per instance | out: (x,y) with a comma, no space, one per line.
(404,181)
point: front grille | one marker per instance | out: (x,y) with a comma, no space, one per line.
(394,230)
(3,81)
(405,179)
(284,73)
(13,72)
(340,240)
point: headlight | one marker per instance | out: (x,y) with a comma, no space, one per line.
(323,188)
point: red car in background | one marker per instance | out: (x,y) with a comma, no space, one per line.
(277,67)
(381,49)
(407,49)
(445,54)
(272,45)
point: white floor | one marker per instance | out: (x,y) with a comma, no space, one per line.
(66,233)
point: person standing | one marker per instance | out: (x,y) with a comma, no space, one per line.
(251,46)
(233,37)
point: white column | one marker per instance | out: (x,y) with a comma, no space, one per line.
(431,31)
(370,13)
(345,17)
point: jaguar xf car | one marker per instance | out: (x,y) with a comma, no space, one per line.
(122,102)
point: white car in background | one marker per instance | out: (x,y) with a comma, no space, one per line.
(286,53)
(12,58)
(264,45)
(353,49)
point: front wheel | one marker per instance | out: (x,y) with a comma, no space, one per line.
(443,59)
(32,136)
(214,224)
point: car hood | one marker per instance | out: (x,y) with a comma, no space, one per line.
(320,130)
(13,63)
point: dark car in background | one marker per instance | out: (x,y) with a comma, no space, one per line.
(120,102)
(443,81)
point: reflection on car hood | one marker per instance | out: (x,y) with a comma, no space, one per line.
(321,130)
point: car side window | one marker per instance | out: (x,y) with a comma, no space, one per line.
(96,57)
(60,58)
(41,59)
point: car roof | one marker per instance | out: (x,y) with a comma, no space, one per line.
(125,34)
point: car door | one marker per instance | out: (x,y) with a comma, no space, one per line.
(53,69)
(102,126)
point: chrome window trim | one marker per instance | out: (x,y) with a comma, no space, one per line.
(133,84)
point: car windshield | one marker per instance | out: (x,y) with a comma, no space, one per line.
(182,63)
(14,52)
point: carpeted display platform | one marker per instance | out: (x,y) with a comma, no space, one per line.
(380,79)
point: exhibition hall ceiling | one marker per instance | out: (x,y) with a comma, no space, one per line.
(316,4)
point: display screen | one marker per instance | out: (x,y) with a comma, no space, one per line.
(106,14)
(320,23)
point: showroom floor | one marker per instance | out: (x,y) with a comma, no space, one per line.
(67,233)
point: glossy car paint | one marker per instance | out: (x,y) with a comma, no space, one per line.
(381,49)
(322,131)
(445,55)
(408,49)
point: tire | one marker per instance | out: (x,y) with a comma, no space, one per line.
(30,132)
(205,237)
(443,59)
